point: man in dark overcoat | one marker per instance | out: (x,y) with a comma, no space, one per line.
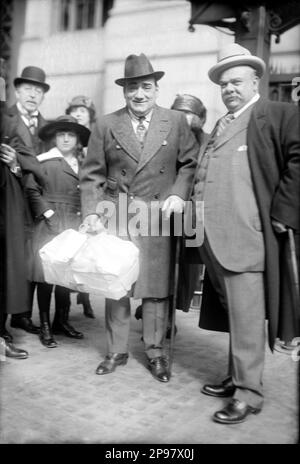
(141,155)
(16,160)
(26,120)
(248,178)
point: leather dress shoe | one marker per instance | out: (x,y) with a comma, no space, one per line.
(26,324)
(7,336)
(223,390)
(111,361)
(12,352)
(159,368)
(46,336)
(235,412)
(64,328)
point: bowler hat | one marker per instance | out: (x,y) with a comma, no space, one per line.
(234,55)
(65,123)
(33,75)
(186,102)
(137,66)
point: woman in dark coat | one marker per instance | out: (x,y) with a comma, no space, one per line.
(56,207)
(83,110)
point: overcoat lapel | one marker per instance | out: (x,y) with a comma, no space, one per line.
(158,131)
(125,136)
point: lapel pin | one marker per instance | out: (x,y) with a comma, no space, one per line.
(118,147)
(165,142)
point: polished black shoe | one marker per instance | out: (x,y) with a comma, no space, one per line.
(26,324)
(111,361)
(159,368)
(12,352)
(235,412)
(223,390)
(64,328)
(7,336)
(46,336)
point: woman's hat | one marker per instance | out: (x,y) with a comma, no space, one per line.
(186,102)
(33,75)
(65,123)
(234,55)
(136,67)
(81,100)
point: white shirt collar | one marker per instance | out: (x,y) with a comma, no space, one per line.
(136,119)
(250,102)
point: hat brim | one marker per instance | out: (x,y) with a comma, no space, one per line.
(49,130)
(20,80)
(157,75)
(253,61)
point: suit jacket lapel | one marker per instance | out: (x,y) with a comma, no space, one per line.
(234,128)
(158,130)
(124,134)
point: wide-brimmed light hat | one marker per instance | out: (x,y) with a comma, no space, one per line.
(33,75)
(65,123)
(137,66)
(235,55)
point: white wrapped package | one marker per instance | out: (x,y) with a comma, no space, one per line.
(101,264)
(56,256)
(106,265)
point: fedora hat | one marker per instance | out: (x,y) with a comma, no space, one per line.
(186,102)
(234,55)
(65,123)
(138,66)
(33,75)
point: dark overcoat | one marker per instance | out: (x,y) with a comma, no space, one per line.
(115,164)
(273,139)
(61,194)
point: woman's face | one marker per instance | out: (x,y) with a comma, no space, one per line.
(81,114)
(66,141)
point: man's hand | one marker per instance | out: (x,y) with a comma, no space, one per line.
(93,224)
(173,204)
(8,155)
(278,227)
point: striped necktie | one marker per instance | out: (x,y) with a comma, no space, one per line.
(141,131)
(223,123)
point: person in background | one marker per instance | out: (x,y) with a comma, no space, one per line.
(83,110)
(56,207)
(195,113)
(24,116)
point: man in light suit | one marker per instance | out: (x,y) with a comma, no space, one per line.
(148,154)
(25,119)
(248,178)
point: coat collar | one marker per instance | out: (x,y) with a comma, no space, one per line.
(55,154)
(124,134)
(158,131)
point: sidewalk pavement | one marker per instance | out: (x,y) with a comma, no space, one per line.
(55,397)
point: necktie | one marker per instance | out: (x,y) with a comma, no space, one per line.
(223,123)
(31,123)
(141,131)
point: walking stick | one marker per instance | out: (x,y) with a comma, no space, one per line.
(174,304)
(295,277)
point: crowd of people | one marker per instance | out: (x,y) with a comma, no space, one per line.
(54,175)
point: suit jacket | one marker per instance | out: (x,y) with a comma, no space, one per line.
(15,120)
(115,164)
(273,141)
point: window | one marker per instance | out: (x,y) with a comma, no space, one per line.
(280,87)
(79,14)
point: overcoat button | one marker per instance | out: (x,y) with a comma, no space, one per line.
(156,196)
(123,172)
(78,213)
